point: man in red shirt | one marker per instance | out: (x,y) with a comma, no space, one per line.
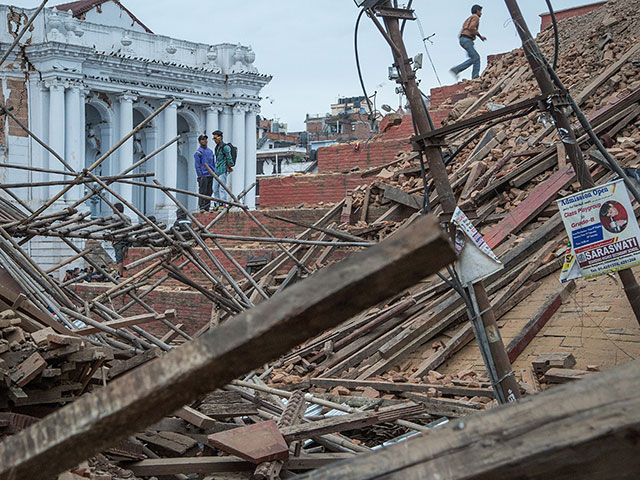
(467,36)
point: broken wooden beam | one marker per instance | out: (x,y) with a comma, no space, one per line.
(172,466)
(585,430)
(95,422)
(403,387)
(539,320)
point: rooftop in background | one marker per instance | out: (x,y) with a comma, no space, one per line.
(568,13)
(80,8)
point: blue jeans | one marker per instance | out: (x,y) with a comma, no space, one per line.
(218,190)
(474,58)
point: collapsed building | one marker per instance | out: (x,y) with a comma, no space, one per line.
(320,337)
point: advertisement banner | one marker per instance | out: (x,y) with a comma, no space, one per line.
(603,232)
(476,260)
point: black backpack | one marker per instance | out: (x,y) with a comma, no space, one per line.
(234,153)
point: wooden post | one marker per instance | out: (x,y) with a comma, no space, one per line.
(566,133)
(507,383)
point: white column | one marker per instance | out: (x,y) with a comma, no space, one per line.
(56,129)
(250,149)
(169,169)
(225,122)
(74,136)
(84,93)
(212,120)
(238,131)
(125,152)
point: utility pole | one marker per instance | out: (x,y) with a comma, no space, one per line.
(565,131)
(505,379)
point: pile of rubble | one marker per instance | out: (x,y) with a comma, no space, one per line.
(375,379)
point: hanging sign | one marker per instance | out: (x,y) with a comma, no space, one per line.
(603,232)
(475,259)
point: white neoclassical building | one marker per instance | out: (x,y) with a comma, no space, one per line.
(89,71)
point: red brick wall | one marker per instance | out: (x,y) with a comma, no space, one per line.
(568,13)
(308,189)
(192,308)
(342,158)
(442,94)
(17,101)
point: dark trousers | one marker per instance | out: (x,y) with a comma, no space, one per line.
(205,187)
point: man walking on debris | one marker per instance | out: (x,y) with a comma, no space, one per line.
(467,36)
(204,156)
(121,246)
(224,164)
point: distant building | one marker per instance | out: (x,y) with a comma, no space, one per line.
(349,120)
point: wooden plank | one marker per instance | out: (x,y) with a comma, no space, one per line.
(402,197)
(134,362)
(539,198)
(585,430)
(608,73)
(129,321)
(531,173)
(462,336)
(546,361)
(171,334)
(533,326)
(365,205)
(247,341)
(444,406)
(29,370)
(403,387)
(194,417)
(345,216)
(563,375)
(256,443)
(168,443)
(338,423)
(173,466)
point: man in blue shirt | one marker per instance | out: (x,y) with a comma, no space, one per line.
(204,156)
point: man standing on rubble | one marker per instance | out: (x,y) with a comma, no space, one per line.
(204,156)
(467,36)
(224,164)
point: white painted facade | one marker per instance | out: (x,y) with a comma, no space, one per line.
(90,81)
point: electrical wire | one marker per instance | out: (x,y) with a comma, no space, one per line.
(426,49)
(555,35)
(364,90)
(404,22)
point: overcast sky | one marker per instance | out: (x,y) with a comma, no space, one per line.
(307,45)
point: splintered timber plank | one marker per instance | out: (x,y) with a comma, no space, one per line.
(127,405)
(129,321)
(403,387)
(541,196)
(173,466)
(540,319)
(196,418)
(134,362)
(585,430)
(28,370)
(402,197)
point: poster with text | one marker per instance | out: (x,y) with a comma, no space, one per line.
(603,231)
